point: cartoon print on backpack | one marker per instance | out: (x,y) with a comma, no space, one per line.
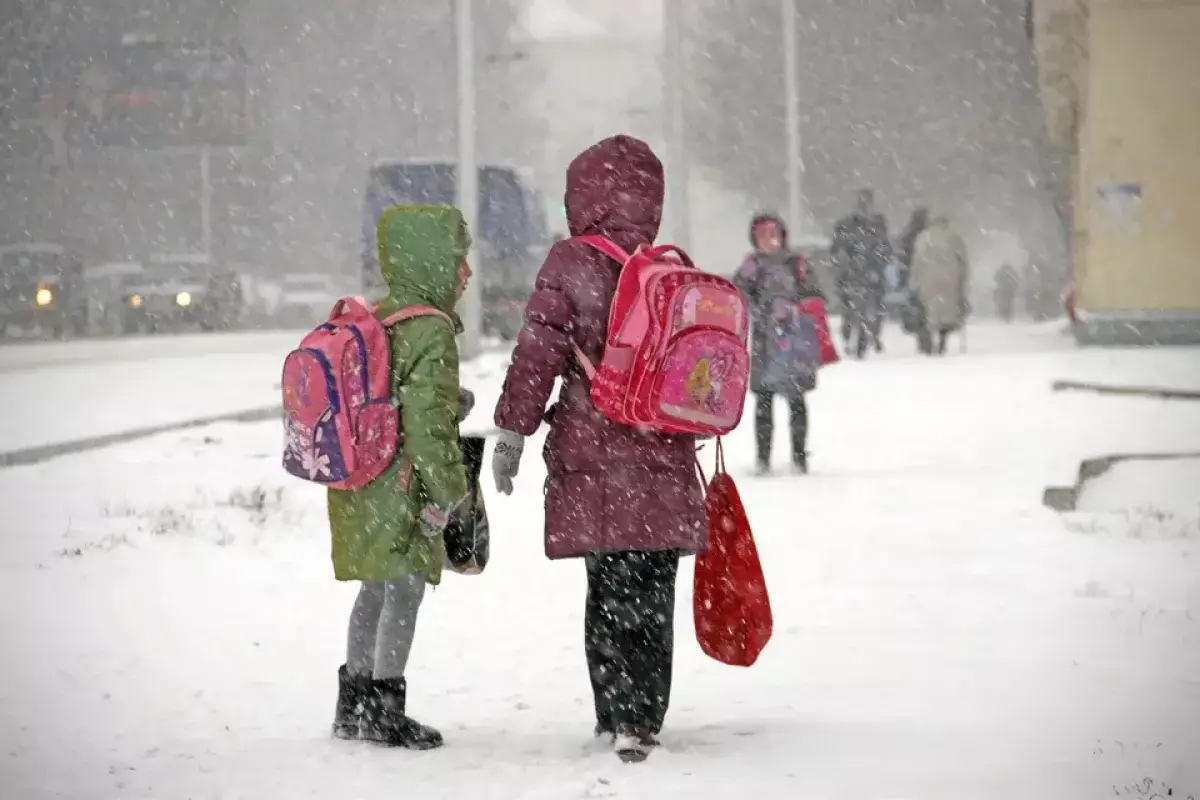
(707,381)
(703,380)
(699,383)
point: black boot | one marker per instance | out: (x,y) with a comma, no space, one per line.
(764,431)
(385,722)
(633,743)
(352,691)
(798,421)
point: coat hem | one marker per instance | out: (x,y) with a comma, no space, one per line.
(684,552)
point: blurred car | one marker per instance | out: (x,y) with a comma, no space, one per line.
(41,288)
(105,290)
(180,291)
(305,299)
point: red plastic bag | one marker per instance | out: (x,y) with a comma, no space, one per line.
(729,601)
(814,309)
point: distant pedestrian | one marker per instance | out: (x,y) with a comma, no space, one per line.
(939,280)
(1007,284)
(790,327)
(860,253)
(907,243)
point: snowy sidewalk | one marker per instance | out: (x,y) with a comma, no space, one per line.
(172,629)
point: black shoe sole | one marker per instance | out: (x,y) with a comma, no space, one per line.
(391,745)
(633,756)
(346,733)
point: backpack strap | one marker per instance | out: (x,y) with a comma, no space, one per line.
(801,265)
(412,312)
(589,368)
(613,251)
(606,246)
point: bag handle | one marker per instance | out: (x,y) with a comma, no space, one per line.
(355,305)
(664,249)
(720,466)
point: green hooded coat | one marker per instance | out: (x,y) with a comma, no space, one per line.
(377,535)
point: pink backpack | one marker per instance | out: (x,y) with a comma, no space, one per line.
(675,358)
(342,428)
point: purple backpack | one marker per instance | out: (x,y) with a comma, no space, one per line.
(341,425)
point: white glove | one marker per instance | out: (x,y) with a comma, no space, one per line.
(506,460)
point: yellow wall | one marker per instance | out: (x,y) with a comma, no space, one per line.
(1142,127)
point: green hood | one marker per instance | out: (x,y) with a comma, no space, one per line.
(420,248)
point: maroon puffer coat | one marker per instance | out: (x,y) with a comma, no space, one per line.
(609,487)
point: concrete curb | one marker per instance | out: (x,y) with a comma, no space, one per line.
(36,455)
(1065,498)
(1159,392)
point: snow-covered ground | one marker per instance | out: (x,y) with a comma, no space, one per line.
(1167,485)
(172,629)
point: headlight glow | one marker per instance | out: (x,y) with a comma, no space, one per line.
(135,301)
(183,299)
(44,296)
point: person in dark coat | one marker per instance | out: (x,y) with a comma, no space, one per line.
(629,503)
(775,281)
(860,252)
(1007,284)
(907,244)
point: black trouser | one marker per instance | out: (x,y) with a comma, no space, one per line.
(629,635)
(1005,306)
(764,424)
(925,341)
(860,328)
(875,326)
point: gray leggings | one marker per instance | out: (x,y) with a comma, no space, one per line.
(382,625)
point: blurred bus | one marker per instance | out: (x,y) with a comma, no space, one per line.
(509,243)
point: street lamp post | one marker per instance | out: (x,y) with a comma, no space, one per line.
(797,212)
(673,36)
(467,172)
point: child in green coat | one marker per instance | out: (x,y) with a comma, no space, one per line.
(388,535)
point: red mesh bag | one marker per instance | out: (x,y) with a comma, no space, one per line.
(730,605)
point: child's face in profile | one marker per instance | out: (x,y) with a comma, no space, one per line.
(464,277)
(768,238)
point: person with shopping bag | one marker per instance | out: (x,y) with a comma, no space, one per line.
(791,339)
(626,501)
